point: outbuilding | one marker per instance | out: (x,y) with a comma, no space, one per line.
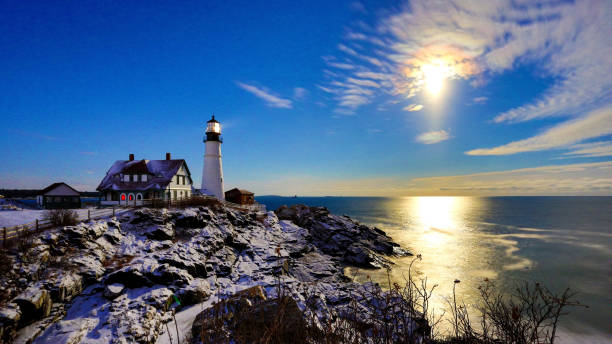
(59,196)
(240,196)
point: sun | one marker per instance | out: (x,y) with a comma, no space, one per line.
(434,77)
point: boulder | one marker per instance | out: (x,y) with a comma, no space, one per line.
(249,315)
(236,241)
(211,322)
(198,291)
(65,286)
(166,275)
(359,256)
(34,304)
(9,320)
(191,219)
(161,232)
(111,291)
(129,277)
(96,229)
(113,234)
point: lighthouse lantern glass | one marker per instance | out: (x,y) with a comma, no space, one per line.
(213,127)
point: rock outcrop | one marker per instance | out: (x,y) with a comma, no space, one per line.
(121,279)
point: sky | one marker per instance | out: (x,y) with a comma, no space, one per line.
(370,98)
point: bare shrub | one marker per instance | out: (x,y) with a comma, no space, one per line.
(373,315)
(530,314)
(62,217)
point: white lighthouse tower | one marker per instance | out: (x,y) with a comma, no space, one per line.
(212,174)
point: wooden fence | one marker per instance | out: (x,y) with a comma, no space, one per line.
(10,233)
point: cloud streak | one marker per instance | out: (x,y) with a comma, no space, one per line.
(413,107)
(432,137)
(572,179)
(595,124)
(270,98)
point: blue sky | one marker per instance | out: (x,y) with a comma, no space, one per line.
(315,98)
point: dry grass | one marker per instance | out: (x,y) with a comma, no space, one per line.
(116,262)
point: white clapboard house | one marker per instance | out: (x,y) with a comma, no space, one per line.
(129,182)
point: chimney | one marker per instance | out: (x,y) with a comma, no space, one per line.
(131,157)
(168,156)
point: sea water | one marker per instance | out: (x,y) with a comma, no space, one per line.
(557,241)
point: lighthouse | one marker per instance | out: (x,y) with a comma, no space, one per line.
(212,173)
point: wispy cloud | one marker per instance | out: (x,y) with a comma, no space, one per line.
(432,137)
(596,124)
(34,135)
(414,107)
(565,39)
(362,82)
(357,7)
(347,50)
(271,99)
(480,100)
(590,150)
(341,65)
(299,93)
(572,179)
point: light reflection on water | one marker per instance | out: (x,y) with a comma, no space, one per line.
(451,247)
(559,241)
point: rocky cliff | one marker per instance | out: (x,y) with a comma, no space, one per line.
(120,279)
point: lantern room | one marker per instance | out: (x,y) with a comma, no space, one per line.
(213,130)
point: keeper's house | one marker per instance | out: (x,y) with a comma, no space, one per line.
(129,182)
(59,196)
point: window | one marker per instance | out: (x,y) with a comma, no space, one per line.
(131,197)
(123,197)
(174,194)
(143,178)
(126,177)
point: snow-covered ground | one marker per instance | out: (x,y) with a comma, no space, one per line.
(112,280)
(9,218)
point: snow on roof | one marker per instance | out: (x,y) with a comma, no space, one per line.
(54,186)
(160,173)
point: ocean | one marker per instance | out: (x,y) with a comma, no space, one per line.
(557,241)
